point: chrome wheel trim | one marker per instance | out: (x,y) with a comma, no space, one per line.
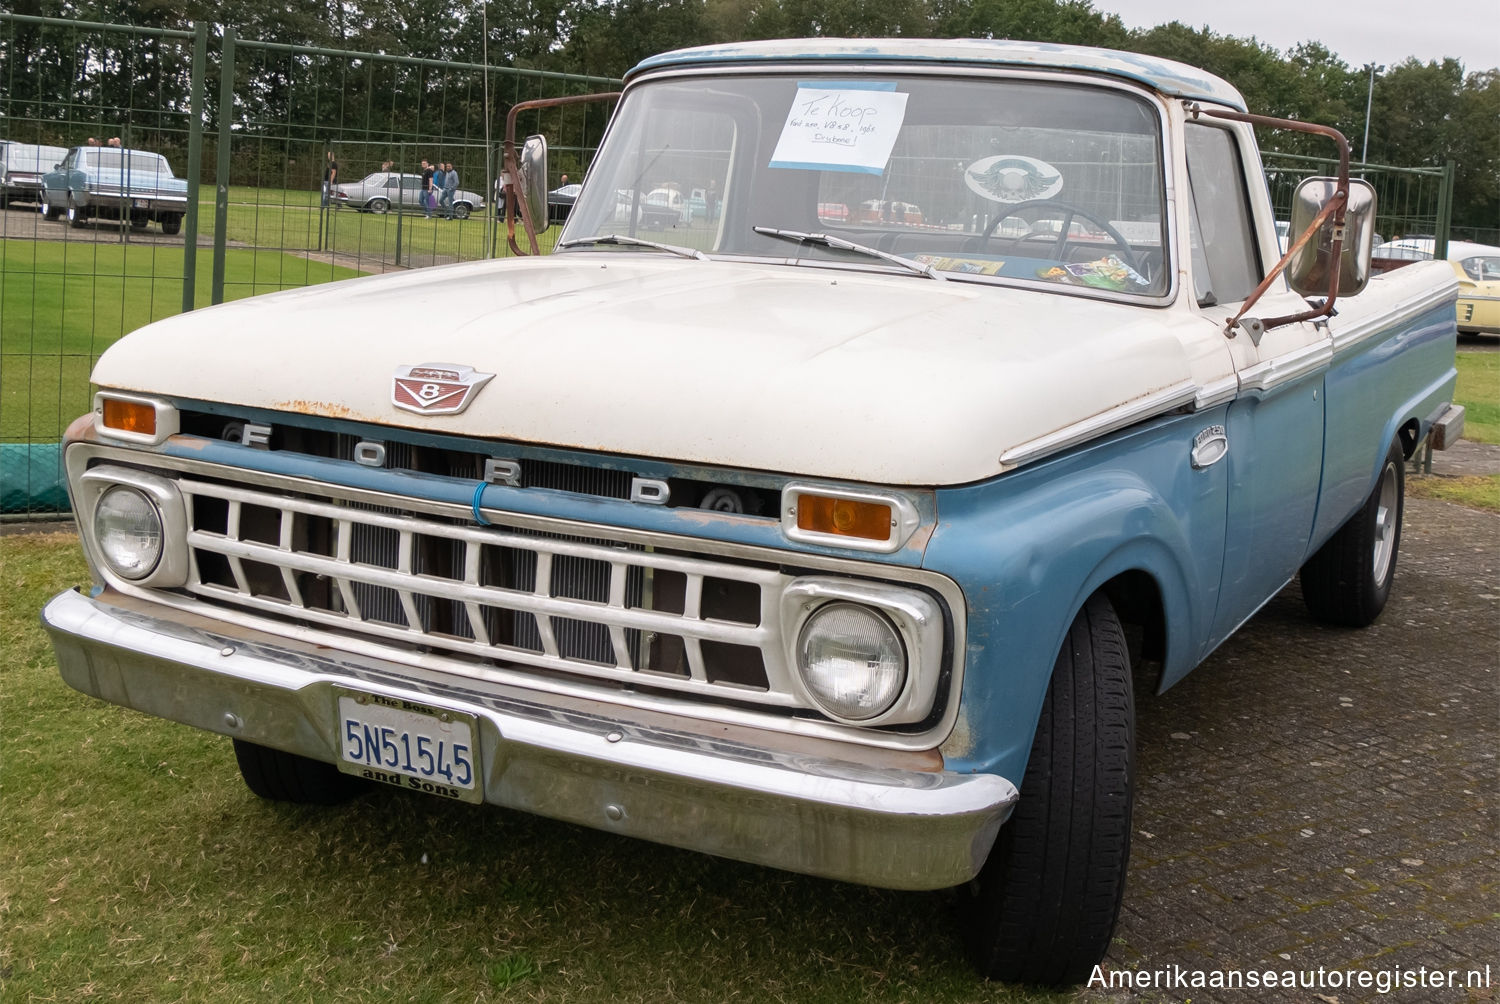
(1384,550)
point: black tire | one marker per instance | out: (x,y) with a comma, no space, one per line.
(1349,579)
(287,777)
(48,210)
(378,206)
(171,224)
(1043,908)
(77,218)
(461,210)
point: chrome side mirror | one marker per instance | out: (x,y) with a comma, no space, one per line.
(1309,269)
(534,180)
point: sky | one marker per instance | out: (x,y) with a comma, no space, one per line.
(1357,31)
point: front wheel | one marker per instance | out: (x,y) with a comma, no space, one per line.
(378,206)
(1043,908)
(1349,579)
(286,777)
(48,210)
(77,218)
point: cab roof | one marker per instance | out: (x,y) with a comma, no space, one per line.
(1176,80)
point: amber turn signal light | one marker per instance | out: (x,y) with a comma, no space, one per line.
(136,417)
(844,517)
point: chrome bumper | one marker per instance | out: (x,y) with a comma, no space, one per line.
(837,818)
(125,200)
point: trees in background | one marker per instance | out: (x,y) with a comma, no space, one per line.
(1424,114)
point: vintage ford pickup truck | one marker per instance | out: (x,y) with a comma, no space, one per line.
(115,183)
(838,544)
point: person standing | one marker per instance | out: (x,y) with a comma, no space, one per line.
(450,185)
(330,176)
(438,174)
(427,200)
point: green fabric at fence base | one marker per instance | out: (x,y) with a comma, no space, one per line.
(32,479)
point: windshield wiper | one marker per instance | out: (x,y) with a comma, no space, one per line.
(839,244)
(634,242)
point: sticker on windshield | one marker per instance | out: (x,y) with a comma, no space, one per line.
(841,127)
(1011,178)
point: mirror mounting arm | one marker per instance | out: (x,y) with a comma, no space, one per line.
(510,165)
(1335,208)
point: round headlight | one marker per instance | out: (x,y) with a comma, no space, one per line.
(127,529)
(852,661)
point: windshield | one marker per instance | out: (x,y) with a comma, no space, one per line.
(982,179)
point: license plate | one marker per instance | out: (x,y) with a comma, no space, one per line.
(143,203)
(413,746)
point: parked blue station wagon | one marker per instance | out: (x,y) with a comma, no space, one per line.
(832,542)
(114,183)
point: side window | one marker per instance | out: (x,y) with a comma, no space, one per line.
(411,183)
(392,181)
(1226,265)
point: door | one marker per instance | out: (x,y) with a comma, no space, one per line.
(1275,424)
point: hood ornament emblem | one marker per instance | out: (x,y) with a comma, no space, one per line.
(436,388)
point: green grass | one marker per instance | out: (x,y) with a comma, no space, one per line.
(289,219)
(135,866)
(1479,392)
(1478,492)
(64,303)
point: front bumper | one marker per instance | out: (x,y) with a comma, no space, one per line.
(706,790)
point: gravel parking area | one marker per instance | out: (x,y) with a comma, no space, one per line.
(1316,797)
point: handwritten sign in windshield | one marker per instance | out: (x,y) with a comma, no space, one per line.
(841,127)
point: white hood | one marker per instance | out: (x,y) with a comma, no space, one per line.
(824,373)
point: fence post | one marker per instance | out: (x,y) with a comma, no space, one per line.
(194,168)
(1445,214)
(221,175)
(400,167)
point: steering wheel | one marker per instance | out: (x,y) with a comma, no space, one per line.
(1068,211)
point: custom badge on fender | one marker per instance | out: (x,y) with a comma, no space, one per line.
(436,388)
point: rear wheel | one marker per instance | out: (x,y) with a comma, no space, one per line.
(1349,579)
(461,210)
(1043,908)
(378,206)
(287,777)
(171,223)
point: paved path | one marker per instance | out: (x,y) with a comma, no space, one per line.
(1321,797)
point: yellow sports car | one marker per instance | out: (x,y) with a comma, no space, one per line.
(1478,269)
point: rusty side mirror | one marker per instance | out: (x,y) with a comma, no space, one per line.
(534,181)
(1309,267)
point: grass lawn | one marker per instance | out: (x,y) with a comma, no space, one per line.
(1479,392)
(64,303)
(289,219)
(135,866)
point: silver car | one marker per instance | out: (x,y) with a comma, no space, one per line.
(383,191)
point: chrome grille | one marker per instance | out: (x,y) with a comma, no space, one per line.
(513,595)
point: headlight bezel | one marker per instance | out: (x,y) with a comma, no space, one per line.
(917,620)
(171,568)
(107,553)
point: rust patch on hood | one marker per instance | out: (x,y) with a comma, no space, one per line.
(326,409)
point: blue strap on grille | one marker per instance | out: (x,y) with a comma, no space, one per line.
(478,494)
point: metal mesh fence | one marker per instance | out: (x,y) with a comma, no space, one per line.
(1409,201)
(80,273)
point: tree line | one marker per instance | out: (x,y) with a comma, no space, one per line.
(1421,113)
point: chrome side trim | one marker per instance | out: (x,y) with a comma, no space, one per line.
(825,815)
(1142,408)
(1273,372)
(1345,338)
(1213,394)
(79,456)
